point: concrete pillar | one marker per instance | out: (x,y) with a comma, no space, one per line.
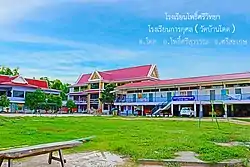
(225,108)
(142,109)
(88,102)
(195,110)
(179,107)
(232,110)
(172,109)
(201,111)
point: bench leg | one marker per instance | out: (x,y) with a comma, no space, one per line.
(1,162)
(61,157)
(10,163)
(50,157)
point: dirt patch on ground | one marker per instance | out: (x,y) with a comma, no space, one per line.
(89,159)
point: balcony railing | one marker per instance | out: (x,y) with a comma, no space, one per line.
(81,101)
(197,98)
(94,101)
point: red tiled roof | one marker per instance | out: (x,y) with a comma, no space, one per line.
(83,79)
(138,72)
(7,80)
(18,84)
(188,80)
(38,83)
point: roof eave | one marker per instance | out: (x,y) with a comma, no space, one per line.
(180,84)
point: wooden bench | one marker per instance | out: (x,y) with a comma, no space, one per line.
(30,151)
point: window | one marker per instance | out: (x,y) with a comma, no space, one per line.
(94,86)
(76,89)
(94,96)
(183,93)
(238,91)
(189,93)
(84,88)
(18,94)
(9,94)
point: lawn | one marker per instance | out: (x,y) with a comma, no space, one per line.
(135,138)
(247,120)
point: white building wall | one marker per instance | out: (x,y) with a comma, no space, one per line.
(163,94)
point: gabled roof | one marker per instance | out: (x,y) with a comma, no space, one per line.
(20,81)
(130,73)
(183,81)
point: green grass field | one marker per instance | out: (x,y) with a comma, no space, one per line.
(153,138)
(246,120)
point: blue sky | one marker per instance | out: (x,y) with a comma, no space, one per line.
(64,38)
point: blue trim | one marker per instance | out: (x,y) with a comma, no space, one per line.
(186,98)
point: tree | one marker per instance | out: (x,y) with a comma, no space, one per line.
(65,91)
(4,101)
(55,100)
(15,71)
(9,71)
(34,99)
(70,105)
(58,85)
(107,95)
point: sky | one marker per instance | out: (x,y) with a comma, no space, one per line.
(62,39)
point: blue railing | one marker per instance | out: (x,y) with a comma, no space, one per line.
(197,98)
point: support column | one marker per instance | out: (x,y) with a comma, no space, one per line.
(232,110)
(172,109)
(100,105)
(201,111)
(195,110)
(179,90)
(88,102)
(225,108)
(142,110)
(179,107)
(102,108)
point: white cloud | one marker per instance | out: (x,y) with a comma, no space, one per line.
(12,11)
(67,64)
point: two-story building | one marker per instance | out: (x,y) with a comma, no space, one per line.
(87,89)
(16,87)
(228,93)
